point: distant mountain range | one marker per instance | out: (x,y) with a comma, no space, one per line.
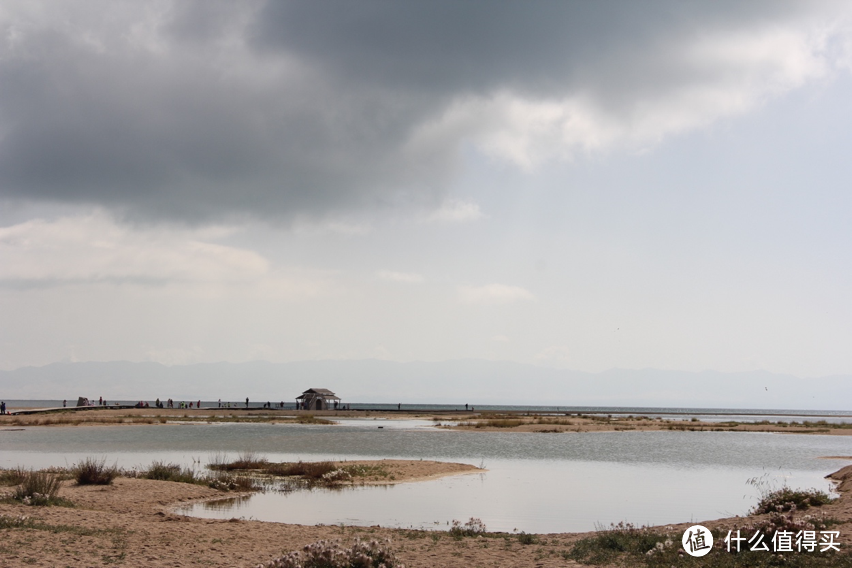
(446,382)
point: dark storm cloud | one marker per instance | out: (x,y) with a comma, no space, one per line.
(447,46)
(609,49)
(287,108)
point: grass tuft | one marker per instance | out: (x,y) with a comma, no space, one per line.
(13,476)
(39,488)
(473,527)
(173,472)
(91,471)
(246,460)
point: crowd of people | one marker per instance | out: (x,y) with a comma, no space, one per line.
(169,403)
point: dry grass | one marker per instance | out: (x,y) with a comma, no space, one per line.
(173,472)
(75,419)
(94,472)
(13,476)
(306,470)
(311,419)
(245,461)
(494,423)
(39,488)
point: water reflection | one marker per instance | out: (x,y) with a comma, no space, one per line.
(540,497)
(227,504)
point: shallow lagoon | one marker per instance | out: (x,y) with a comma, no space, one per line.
(535,482)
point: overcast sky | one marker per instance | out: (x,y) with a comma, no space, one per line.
(582,185)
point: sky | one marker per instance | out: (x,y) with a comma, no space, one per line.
(580,185)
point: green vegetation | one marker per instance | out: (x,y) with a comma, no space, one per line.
(623,539)
(330,554)
(786,499)
(14,521)
(627,545)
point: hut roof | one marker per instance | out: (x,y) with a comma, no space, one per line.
(324,393)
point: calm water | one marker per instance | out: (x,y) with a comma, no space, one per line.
(534,482)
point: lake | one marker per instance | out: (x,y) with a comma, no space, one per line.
(534,482)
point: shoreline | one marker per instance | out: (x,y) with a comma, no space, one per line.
(132,523)
(529,422)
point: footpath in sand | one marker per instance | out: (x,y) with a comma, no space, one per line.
(131,523)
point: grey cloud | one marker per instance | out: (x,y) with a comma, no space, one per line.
(174,135)
(536,48)
(302,108)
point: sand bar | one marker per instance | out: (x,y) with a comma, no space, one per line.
(474,421)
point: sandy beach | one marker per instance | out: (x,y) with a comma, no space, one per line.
(131,523)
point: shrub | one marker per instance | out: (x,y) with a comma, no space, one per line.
(525,538)
(336,476)
(330,554)
(225,482)
(610,543)
(172,472)
(786,499)
(13,476)
(38,488)
(93,472)
(473,527)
